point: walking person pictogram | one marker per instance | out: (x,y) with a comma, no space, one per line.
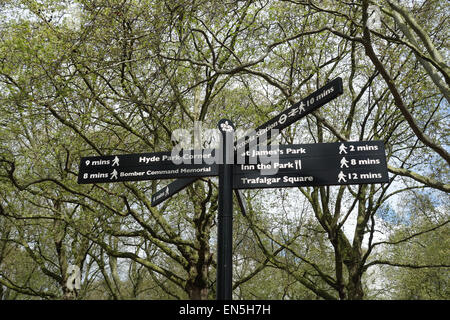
(341,177)
(115,161)
(301,107)
(114,175)
(342,149)
(344,162)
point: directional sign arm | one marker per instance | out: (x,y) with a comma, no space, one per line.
(241,201)
(319,164)
(301,109)
(147,166)
(171,189)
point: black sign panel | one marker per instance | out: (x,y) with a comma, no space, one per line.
(325,94)
(147,166)
(313,165)
(171,189)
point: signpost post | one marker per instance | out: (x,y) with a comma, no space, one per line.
(225,214)
(295,165)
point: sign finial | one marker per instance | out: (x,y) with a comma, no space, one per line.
(226,125)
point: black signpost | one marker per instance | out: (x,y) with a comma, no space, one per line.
(244,164)
(315,100)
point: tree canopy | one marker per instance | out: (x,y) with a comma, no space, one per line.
(83,77)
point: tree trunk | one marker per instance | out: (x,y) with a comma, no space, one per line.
(354,286)
(197,293)
(197,285)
